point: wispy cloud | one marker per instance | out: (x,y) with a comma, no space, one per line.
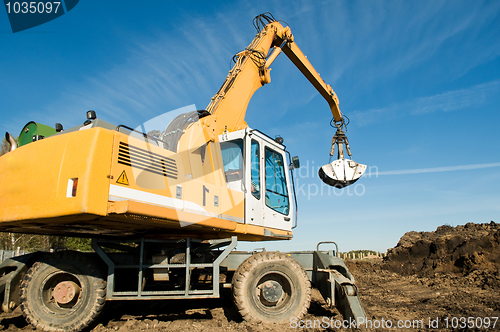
(155,74)
(373,42)
(444,102)
(439,169)
(456,100)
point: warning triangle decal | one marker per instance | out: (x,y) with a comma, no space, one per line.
(122,179)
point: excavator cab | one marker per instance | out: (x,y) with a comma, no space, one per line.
(256,165)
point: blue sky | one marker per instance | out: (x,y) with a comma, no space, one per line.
(420,81)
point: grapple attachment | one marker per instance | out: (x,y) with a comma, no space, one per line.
(341,172)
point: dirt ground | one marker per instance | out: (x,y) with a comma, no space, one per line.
(442,280)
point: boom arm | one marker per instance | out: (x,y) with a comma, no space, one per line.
(251,71)
(298,58)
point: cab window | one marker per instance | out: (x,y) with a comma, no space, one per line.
(276,190)
(232,158)
(255,169)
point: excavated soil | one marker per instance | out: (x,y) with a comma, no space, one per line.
(461,249)
(442,280)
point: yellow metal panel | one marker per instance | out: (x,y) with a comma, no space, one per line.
(210,167)
(34,190)
(34,177)
(198,196)
(144,164)
(147,216)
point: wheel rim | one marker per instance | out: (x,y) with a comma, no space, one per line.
(273,293)
(61,293)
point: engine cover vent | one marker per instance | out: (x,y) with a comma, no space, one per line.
(148,161)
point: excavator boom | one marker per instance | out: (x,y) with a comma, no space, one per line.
(298,58)
(252,70)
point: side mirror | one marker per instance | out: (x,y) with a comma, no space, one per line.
(295,162)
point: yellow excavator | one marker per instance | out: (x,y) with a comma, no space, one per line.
(165,209)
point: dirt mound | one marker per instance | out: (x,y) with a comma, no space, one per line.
(460,249)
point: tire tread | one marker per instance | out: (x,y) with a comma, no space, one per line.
(91,268)
(243,274)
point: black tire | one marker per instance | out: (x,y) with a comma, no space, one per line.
(283,276)
(37,301)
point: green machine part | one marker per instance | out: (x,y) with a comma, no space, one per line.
(33,131)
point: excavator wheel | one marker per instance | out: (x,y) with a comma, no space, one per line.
(271,287)
(63,292)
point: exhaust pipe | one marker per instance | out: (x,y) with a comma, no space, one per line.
(11,140)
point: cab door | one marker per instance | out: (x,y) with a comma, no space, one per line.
(278,208)
(254,196)
(268,198)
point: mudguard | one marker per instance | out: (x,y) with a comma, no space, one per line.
(12,271)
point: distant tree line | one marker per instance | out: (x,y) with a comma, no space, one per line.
(30,242)
(364,252)
(360,254)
